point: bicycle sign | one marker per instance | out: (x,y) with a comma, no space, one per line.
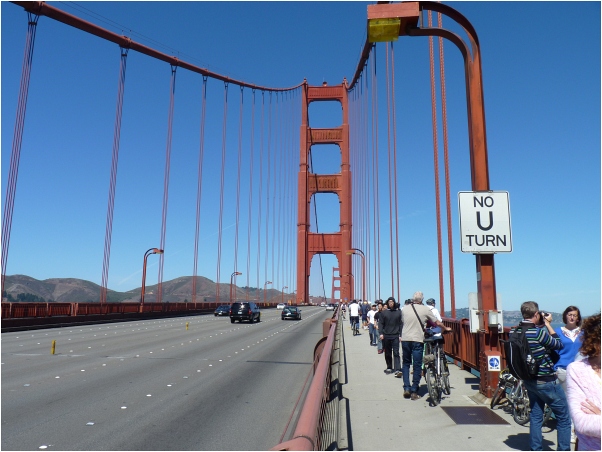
(494,363)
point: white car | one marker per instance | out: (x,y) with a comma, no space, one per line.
(330,307)
(322,305)
(280,306)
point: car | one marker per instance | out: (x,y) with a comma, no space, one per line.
(322,304)
(280,306)
(291,312)
(222,310)
(244,310)
(330,307)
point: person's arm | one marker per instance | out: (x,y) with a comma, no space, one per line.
(549,338)
(577,395)
(430,316)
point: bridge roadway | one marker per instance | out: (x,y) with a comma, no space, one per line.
(153,385)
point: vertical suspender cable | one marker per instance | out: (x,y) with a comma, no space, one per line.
(198,190)
(267,221)
(375,192)
(221,193)
(113,177)
(395,169)
(166,180)
(260,192)
(452,288)
(15,156)
(390,169)
(436,159)
(238,181)
(278,186)
(368,185)
(251,158)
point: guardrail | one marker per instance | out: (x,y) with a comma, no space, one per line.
(317,427)
(16,310)
(465,347)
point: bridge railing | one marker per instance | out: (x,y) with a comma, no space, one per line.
(317,426)
(465,347)
(21,310)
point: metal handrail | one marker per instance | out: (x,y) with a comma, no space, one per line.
(307,435)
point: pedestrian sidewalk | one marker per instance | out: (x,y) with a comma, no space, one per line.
(377,417)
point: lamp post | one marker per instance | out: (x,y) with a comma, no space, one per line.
(264,286)
(285,287)
(352,283)
(361,254)
(231,277)
(148,253)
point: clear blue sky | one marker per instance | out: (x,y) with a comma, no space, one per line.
(541,77)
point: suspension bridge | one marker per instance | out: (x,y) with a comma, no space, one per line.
(265,190)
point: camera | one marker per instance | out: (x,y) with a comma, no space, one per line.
(542,314)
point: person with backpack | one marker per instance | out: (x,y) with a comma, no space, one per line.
(542,385)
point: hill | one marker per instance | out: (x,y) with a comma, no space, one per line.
(73,290)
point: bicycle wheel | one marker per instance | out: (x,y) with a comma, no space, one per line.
(445,375)
(521,411)
(497,395)
(431,383)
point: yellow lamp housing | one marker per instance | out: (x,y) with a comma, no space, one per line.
(383,30)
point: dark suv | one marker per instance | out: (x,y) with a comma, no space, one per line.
(244,310)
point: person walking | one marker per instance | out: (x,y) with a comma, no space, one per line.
(389,328)
(413,317)
(583,387)
(379,342)
(545,387)
(365,307)
(571,338)
(373,330)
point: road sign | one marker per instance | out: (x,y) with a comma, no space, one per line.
(493,363)
(485,222)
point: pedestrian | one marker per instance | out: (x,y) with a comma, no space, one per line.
(379,342)
(545,387)
(583,387)
(373,330)
(414,316)
(571,338)
(437,336)
(354,316)
(365,309)
(389,328)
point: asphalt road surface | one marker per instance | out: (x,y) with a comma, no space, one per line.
(154,385)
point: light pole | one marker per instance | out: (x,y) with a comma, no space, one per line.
(352,283)
(285,287)
(231,277)
(353,251)
(264,286)
(148,253)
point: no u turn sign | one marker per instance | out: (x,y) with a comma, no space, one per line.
(485,222)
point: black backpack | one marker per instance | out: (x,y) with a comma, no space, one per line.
(519,358)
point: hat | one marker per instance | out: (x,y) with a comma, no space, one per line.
(430,302)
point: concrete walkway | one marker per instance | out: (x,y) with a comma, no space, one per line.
(377,417)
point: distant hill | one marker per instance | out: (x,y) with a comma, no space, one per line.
(511,318)
(73,290)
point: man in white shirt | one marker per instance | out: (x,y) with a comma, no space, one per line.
(371,313)
(354,314)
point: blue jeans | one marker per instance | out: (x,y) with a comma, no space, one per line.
(411,352)
(552,394)
(373,333)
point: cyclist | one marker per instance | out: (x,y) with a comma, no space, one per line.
(343,309)
(432,325)
(354,315)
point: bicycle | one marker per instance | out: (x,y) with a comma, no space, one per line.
(355,325)
(436,371)
(515,392)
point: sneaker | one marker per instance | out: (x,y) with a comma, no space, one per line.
(380,352)
(414,396)
(388,371)
(406,394)
(398,374)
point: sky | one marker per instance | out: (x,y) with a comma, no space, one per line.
(541,85)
